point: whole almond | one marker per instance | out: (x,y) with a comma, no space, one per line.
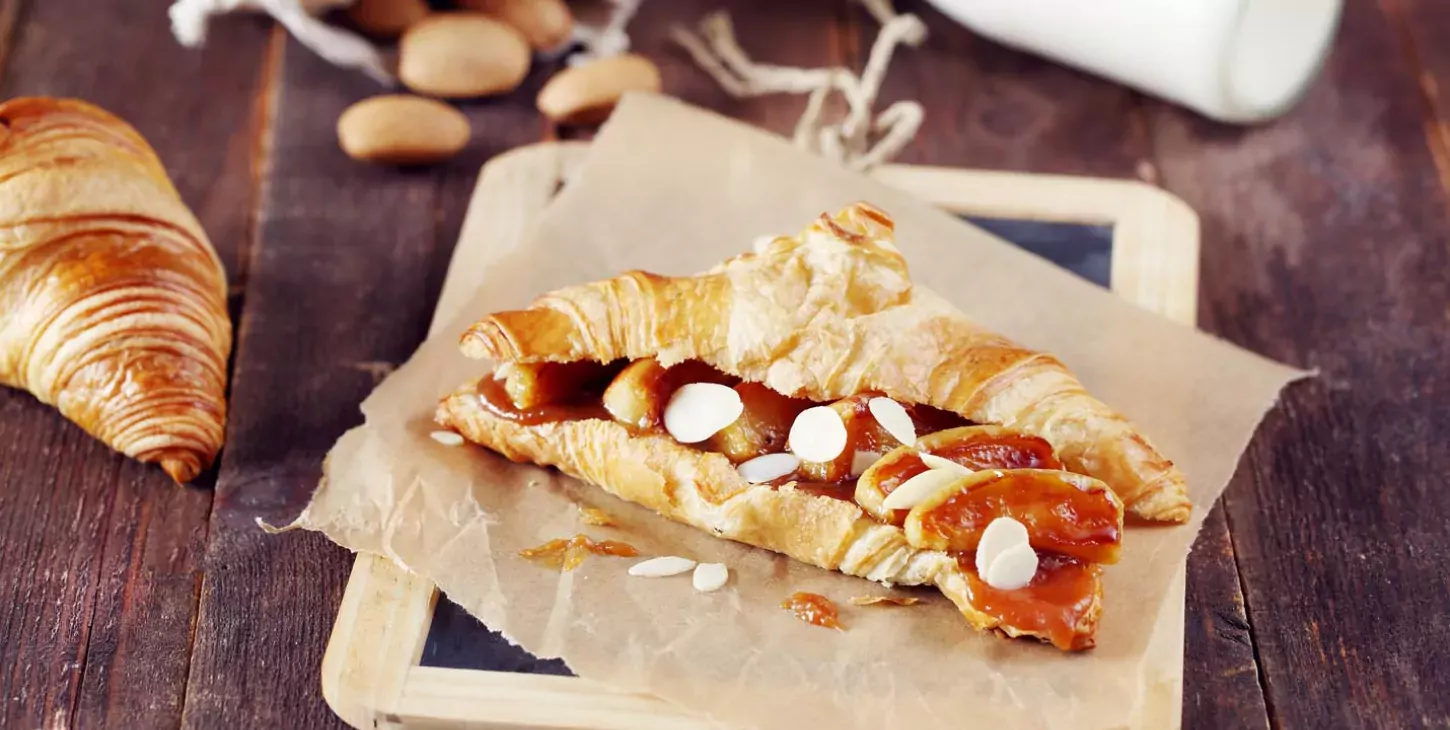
(546,24)
(386,18)
(400,129)
(585,94)
(462,55)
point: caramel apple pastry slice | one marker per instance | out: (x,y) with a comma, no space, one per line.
(807,398)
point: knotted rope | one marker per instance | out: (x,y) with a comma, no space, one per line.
(850,141)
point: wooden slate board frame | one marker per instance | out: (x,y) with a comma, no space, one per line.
(372,676)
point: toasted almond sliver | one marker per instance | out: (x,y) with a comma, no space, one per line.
(894,418)
(863,461)
(915,490)
(661,567)
(887,600)
(710,577)
(1001,534)
(768,468)
(697,411)
(1013,568)
(818,434)
(936,462)
(447,438)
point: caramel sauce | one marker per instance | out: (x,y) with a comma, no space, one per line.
(1059,516)
(566,554)
(814,609)
(496,401)
(1054,605)
(845,491)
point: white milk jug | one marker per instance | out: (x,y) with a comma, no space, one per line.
(1232,60)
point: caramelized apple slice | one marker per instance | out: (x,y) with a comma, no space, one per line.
(1064,513)
(638,394)
(634,397)
(973,447)
(530,385)
(763,426)
(990,447)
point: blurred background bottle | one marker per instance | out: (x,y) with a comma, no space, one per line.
(1237,61)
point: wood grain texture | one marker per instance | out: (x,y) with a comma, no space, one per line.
(341,285)
(1324,246)
(99,556)
(1424,26)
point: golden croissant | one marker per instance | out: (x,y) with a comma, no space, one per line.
(112,300)
(870,427)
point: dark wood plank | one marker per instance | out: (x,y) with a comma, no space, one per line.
(1423,26)
(99,557)
(1324,245)
(341,286)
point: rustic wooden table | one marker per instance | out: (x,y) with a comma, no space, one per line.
(1317,593)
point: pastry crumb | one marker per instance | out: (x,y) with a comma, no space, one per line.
(595,516)
(887,600)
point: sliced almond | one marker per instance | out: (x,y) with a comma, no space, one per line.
(447,438)
(1001,534)
(936,462)
(698,411)
(710,577)
(1013,568)
(917,489)
(818,434)
(768,468)
(894,418)
(661,567)
(863,461)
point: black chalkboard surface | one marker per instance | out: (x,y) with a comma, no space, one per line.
(457,640)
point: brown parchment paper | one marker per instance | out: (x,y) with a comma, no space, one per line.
(674,190)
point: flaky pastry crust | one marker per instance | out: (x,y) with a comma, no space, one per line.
(112,300)
(831,313)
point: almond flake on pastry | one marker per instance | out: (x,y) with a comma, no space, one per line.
(768,468)
(894,418)
(1013,568)
(917,489)
(937,462)
(818,434)
(1001,534)
(863,461)
(698,411)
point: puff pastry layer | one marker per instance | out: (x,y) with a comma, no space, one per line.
(112,300)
